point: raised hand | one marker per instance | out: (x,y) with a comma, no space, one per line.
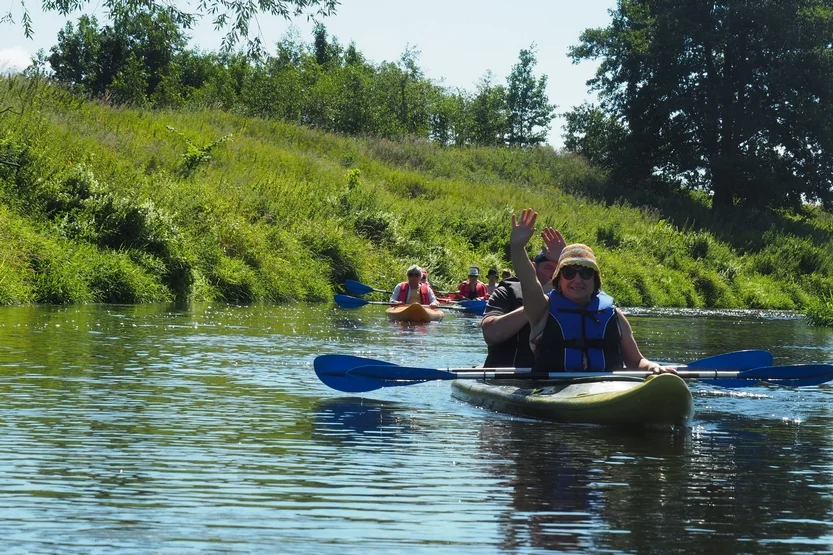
(523,229)
(554,243)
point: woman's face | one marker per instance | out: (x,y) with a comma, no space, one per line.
(577,283)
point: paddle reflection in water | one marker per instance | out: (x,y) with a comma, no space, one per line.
(356,419)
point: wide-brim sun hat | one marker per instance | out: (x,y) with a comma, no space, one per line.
(577,254)
(474,271)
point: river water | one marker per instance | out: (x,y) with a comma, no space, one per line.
(203,429)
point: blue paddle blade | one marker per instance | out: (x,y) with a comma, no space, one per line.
(475,307)
(357,288)
(332,371)
(794,372)
(339,365)
(400,374)
(346,301)
(799,375)
(737,360)
(350,384)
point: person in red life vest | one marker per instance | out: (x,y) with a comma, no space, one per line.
(473,289)
(413,290)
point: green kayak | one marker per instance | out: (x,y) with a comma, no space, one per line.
(657,402)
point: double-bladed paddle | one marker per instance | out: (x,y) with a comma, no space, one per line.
(736,369)
(346,301)
(358,288)
(797,375)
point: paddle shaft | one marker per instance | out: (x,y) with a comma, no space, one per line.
(498,375)
(528,374)
(359,288)
(372,377)
(346,301)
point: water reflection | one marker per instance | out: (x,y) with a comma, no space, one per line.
(565,479)
(203,428)
(352,419)
(587,489)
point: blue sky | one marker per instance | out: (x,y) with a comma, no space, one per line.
(458,40)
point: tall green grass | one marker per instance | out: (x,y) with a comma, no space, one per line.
(107,204)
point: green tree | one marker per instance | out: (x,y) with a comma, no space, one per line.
(354,113)
(413,93)
(488,113)
(326,52)
(150,35)
(401,97)
(593,134)
(529,112)
(732,96)
(448,118)
(74,60)
(92,58)
(130,84)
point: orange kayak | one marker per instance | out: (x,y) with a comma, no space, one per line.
(414,313)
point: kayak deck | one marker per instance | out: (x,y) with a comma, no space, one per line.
(414,312)
(658,402)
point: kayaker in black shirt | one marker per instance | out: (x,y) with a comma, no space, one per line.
(504,325)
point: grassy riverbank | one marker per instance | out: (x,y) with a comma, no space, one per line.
(103,204)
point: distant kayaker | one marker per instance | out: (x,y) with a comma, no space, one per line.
(505,326)
(575,326)
(414,290)
(492,277)
(473,289)
(505,273)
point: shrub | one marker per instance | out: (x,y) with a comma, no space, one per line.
(234,281)
(699,244)
(609,235)
(116,279)
(715,292)
(819,312)
(764,292)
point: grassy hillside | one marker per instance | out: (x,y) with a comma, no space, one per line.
(103,204)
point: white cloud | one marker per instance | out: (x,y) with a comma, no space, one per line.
(15,59)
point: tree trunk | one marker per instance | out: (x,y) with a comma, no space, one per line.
(723,196)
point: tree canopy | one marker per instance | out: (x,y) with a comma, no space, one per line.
(142,61)
(235,17)
(529,110)
(731,96)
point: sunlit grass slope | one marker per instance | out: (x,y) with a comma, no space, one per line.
(105,204)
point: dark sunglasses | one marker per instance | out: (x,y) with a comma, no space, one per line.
(569,272)
(412,274)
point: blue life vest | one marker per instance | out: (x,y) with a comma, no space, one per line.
(574,336)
